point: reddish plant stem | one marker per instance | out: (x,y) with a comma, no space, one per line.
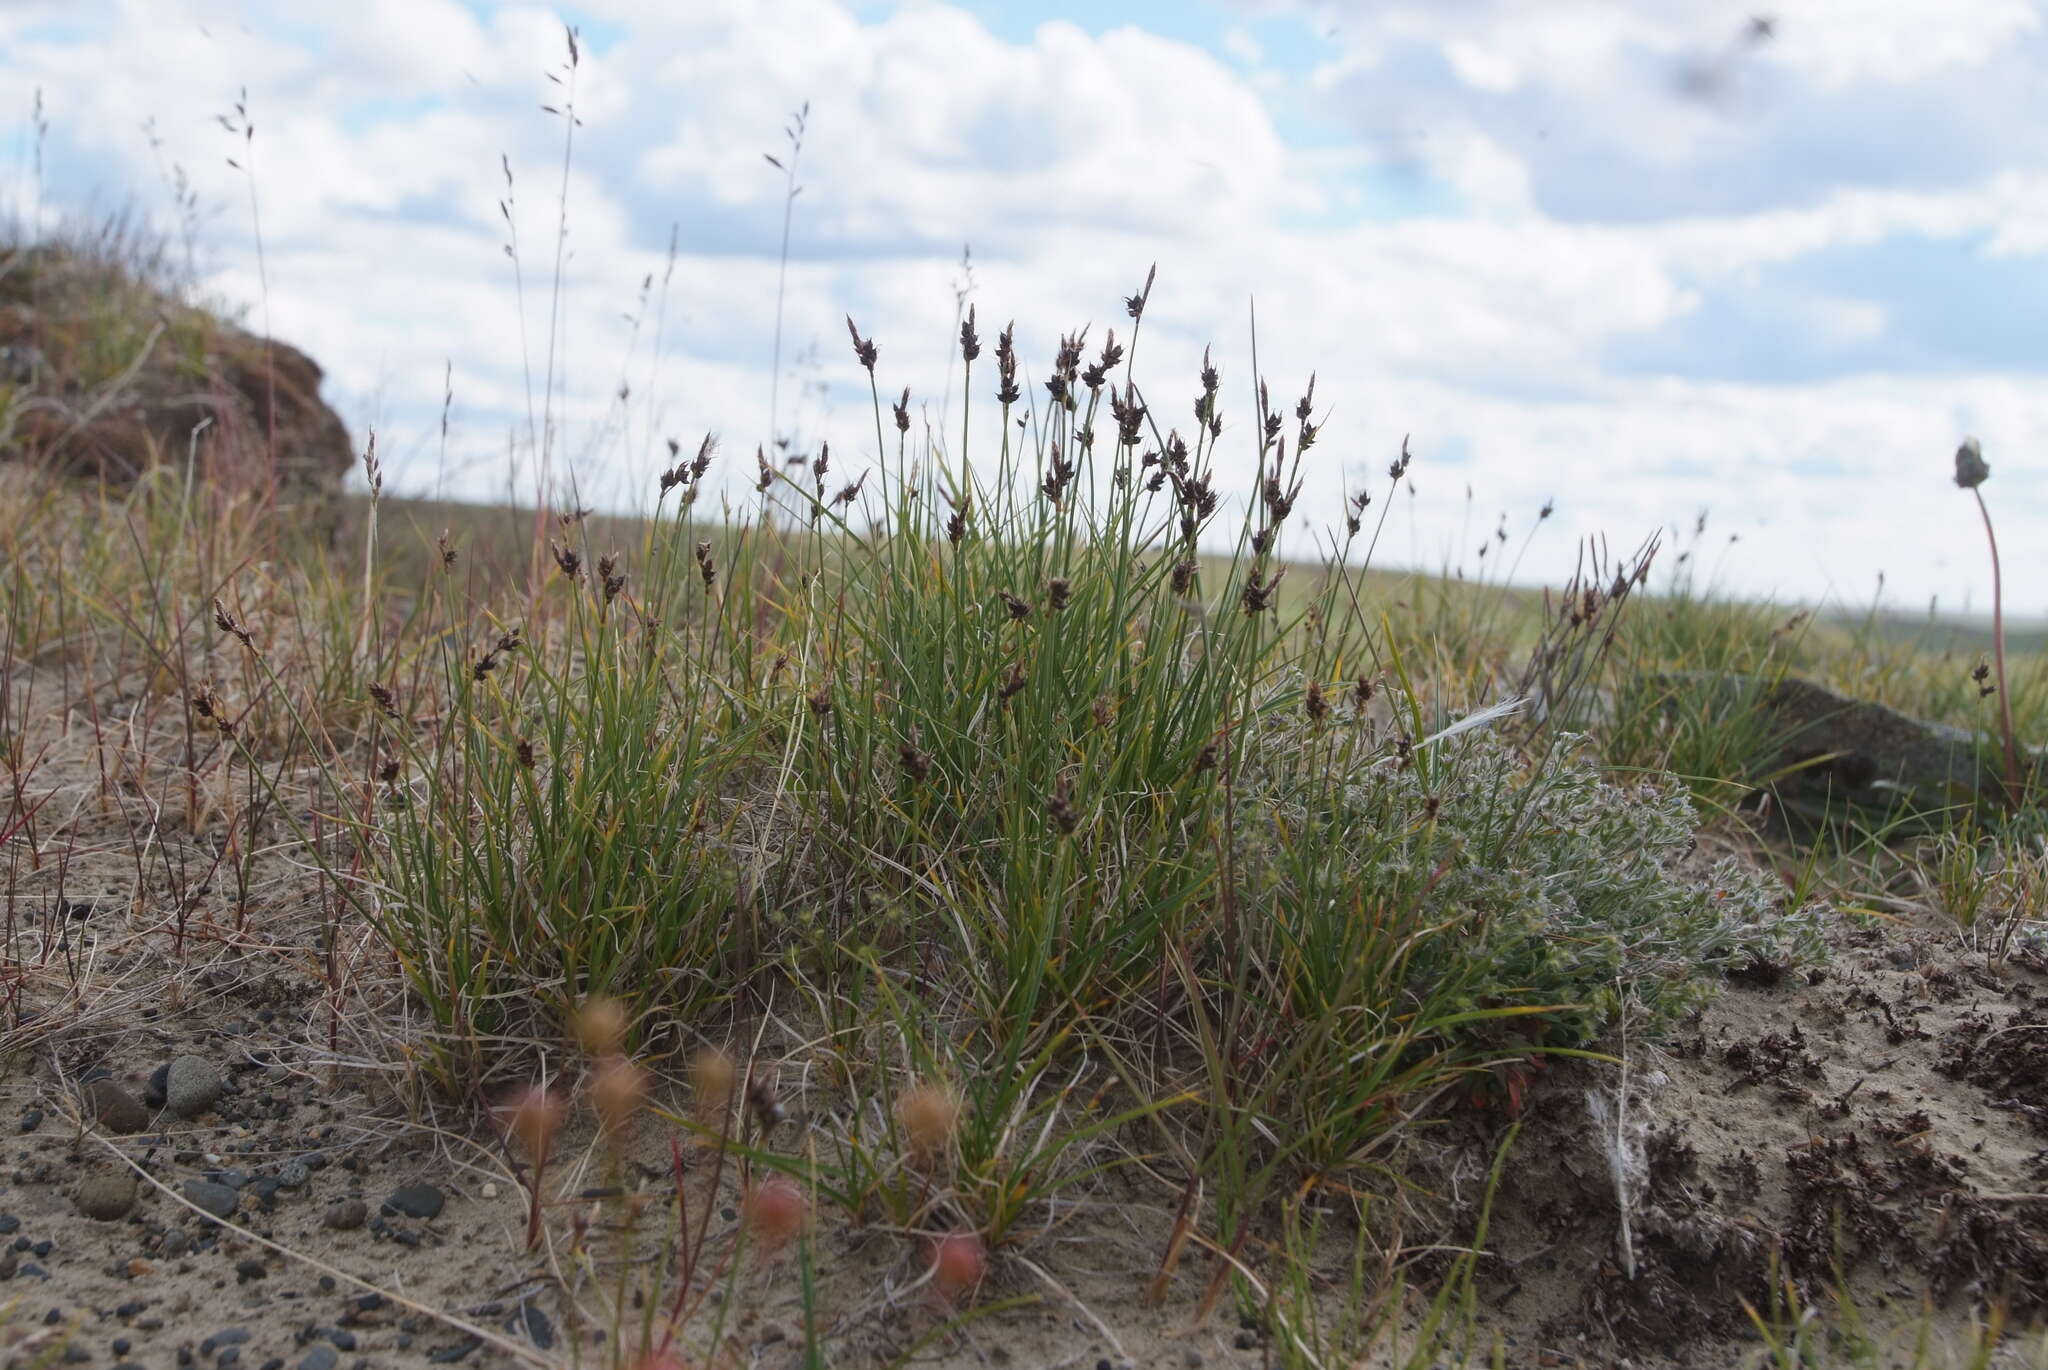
(2012,755)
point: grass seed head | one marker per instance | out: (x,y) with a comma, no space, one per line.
(618,1089)
(533,1119)
(864,349)
(958,1263)
(929,1114)
(601,1026)
(712,1077)
(774,1211)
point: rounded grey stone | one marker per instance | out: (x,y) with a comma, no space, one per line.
(192,1085)
(216,1199)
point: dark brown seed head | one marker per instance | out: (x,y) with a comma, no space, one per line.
(208,706)
(1317,707)
(1061,807)
(1020,609)
(1058,591)
(389,771)
(970,341)
(1258,595)
(864,349)
(902,408)
(915,763)
(568,558)
(524,751)
(1971,470)
(1184,576)
(1134,305)
(384,699)
(761,1099)
(1007,392)
(226,622)
(1012,683)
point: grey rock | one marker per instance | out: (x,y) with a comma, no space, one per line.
(192,1085)
(105,1198)
(321,1357)
(216,1199)
(227,1336)
(1821,745)
(153,1092)
(114,1108)
(530,1320)
(416,1201)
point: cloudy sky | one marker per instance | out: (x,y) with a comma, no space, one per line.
(1645,258)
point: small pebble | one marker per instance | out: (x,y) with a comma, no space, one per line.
(227,1336)
(114,1108)
(322,1357)
(105,1198)
(345,1216)
(416,1201)
(217,1199)
(192,1084)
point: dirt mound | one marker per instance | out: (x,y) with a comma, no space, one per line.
(106,374)
(1877,1131)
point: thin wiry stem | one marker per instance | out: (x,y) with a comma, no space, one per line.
(2012,755)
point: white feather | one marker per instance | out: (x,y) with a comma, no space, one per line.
(1491,713)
